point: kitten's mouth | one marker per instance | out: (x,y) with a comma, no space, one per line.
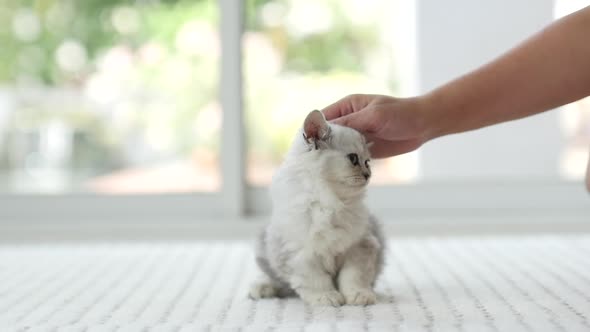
(358,181)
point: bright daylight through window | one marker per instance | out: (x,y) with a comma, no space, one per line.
(302,55)
(121,97)
(109,96)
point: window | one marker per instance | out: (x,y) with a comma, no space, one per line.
(111,97)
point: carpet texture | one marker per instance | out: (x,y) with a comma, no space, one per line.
(429,284)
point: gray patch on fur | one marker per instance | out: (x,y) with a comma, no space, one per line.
(283,289)
(377,231)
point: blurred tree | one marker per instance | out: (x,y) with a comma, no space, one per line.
(33,30)
(132,51)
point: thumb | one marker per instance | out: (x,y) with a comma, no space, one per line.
(364,121)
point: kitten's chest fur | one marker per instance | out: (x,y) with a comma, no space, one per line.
(314,211)
(333,231)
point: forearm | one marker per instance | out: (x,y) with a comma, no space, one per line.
(550,69)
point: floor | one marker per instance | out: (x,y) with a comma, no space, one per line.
(496,283)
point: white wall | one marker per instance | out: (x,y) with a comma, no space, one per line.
(456,36)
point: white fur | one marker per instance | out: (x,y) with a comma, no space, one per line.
(321,242)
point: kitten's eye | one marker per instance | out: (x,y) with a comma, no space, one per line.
(367,163)
(354,158)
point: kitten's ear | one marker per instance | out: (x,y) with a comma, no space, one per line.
(315,127)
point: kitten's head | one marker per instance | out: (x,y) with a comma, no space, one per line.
(344,153)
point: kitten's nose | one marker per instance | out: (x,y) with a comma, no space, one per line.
(366,175)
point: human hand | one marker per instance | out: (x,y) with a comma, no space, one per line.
(394,125)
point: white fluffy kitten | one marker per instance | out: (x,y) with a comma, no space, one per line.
(322,243)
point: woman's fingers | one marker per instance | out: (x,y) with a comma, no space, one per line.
(347,105)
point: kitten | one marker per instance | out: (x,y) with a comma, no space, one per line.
(321,244)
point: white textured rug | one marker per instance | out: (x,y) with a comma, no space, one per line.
(430,284)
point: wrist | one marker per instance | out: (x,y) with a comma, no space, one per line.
(431,125)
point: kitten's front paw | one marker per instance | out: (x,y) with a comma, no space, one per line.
(360,297)
(329,298)
(262,290)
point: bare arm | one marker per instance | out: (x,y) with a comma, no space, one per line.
(548,70)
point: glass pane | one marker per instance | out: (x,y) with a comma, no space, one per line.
(109,96)
(575,117)
(305,54)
